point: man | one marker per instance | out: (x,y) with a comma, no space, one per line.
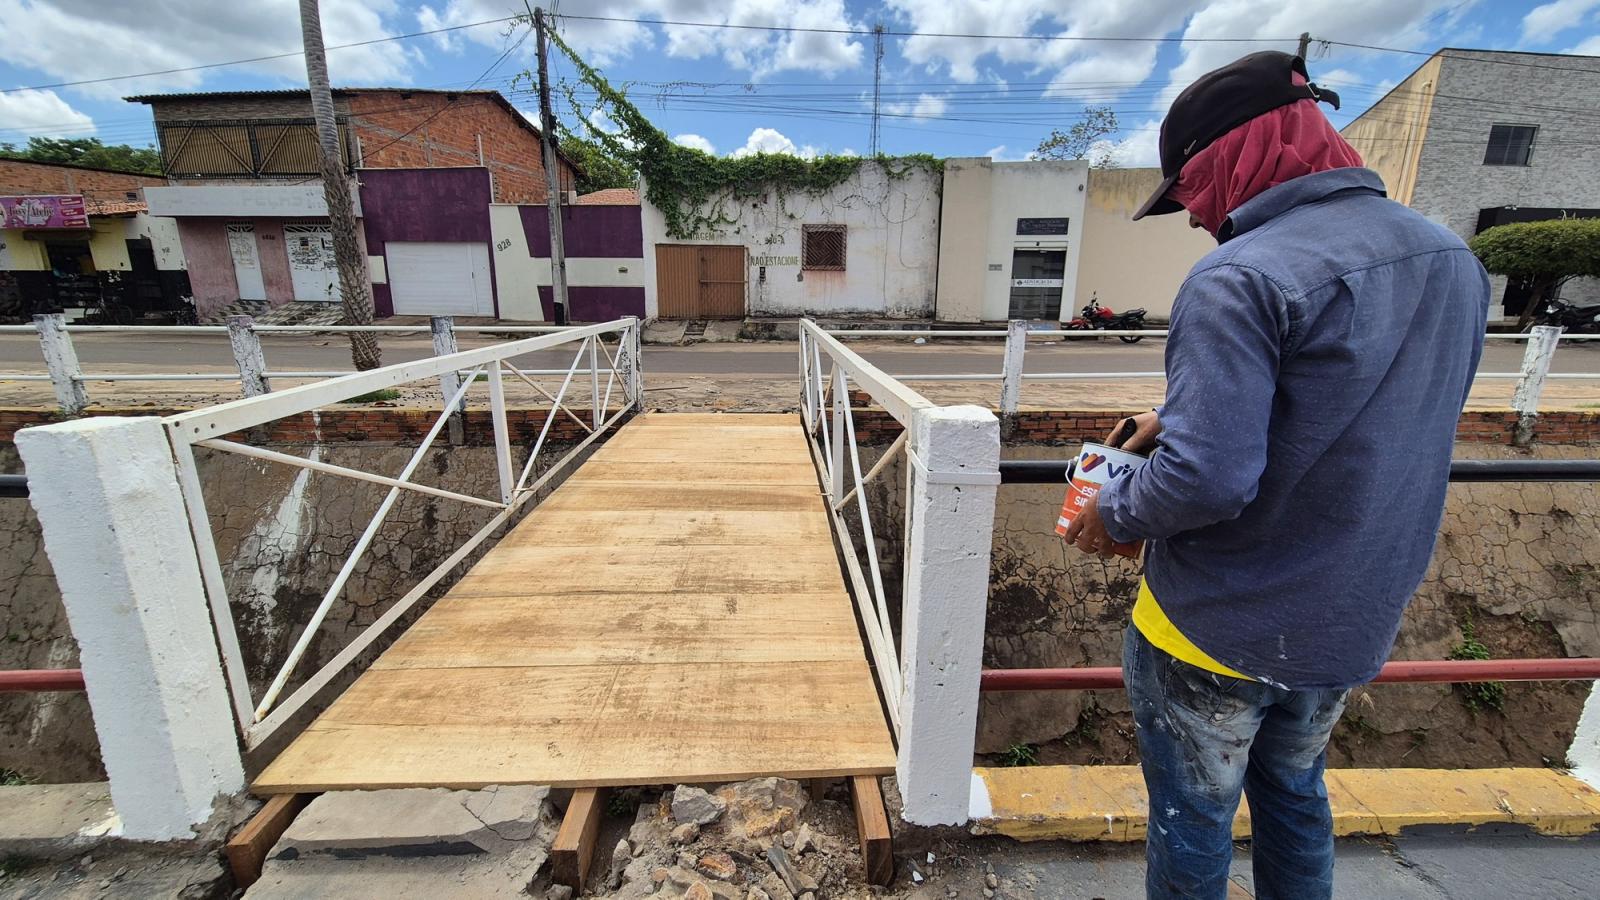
(1317,363)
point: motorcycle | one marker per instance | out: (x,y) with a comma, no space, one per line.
(1569,318)
(1100,318)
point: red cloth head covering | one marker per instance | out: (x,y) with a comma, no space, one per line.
(1272,148)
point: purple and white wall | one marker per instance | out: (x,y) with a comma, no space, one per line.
(605,261)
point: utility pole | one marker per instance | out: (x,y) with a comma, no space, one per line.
(354,290)
(552,175)
(1305,44)
(877,82)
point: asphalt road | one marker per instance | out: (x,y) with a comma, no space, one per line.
(19,353)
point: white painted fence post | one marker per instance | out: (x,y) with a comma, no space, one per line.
(62,362)
(955,452)
(444,344)
(115,528)
(1535,366)
(1011,371)
(1584,754)
(248,356)
(635,367)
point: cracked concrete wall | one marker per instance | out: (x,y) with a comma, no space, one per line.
(1516,564)
(282,534)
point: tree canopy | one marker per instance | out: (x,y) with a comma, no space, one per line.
(1078,141)
(1543,255)
(87,152)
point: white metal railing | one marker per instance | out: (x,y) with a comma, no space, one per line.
(929,679)
(66,375)
(457,372)
(1543,342)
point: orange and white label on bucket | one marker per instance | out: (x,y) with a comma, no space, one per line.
(1096,466)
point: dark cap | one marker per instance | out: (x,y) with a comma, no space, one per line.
(1220,101)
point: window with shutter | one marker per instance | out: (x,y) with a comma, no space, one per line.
(822,247)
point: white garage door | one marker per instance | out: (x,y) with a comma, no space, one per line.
(439,279)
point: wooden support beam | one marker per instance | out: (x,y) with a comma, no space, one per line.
(872,825)
(249,846)
(572,854)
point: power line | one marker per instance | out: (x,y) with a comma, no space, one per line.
(256,59)
(932,34)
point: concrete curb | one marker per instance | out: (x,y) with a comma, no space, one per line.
(1107,803)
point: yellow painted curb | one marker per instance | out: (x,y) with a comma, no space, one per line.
(1107,803)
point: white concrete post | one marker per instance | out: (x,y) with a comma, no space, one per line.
(62,362)
(635,366)
(444,344)
(248,356)
(106,491)
(1535,366)
(502,435)
(1584,755)
(1011,370)
(955,452)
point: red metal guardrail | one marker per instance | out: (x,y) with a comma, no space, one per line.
(38,680)
(1451,671)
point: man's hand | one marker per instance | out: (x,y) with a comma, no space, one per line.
(1146,427)
(1087,532)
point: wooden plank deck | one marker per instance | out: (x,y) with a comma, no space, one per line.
(673,613)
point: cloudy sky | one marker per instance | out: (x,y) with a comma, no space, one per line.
(960,77)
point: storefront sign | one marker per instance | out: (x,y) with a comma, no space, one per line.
(774,260)
(57,211)
(1038,282)
(1043,226)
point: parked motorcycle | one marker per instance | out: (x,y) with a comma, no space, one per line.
(1571,319)
(1100,318)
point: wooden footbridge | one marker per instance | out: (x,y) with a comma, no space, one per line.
(677,599)
(673,613)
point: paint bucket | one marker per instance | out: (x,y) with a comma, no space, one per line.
(1095,466)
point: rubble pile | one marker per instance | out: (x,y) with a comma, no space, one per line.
(764,839)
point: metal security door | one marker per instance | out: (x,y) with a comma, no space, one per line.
(722,283)
(313,271)
(246,261)
(700,281)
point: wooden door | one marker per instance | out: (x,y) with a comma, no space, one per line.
(722,274)
(700,281)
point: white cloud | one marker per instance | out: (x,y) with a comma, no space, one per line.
(600,121)
(696,142)
(81,39)
(771,140)
(926,106)
(756,51)
(997,152)
(1140,148)
(1590,47)
(1109,67)
(1271,22)
(1545,22)
(29,113)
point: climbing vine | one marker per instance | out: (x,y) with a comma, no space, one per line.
(695,190)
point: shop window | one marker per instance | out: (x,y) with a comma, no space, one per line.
(822,247)
(1510,145)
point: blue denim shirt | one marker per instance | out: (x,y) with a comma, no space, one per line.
(1317,364)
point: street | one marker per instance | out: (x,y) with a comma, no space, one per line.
(97,353)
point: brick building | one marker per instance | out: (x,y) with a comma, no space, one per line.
(1478,138)
(79,239)
(243,184)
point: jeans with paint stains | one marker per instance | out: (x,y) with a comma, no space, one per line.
(1205,737)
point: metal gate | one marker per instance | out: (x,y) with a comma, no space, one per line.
(696,281)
